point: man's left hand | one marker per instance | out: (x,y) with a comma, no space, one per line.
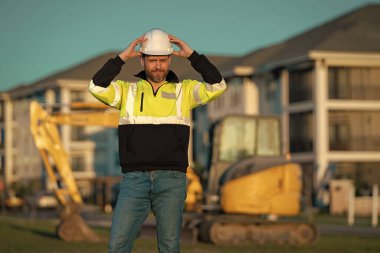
(185,49)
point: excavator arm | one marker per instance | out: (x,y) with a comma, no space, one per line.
(44,129)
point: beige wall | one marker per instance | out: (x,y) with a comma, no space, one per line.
(241,97)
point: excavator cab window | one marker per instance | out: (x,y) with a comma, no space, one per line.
(268,137)
(243,137)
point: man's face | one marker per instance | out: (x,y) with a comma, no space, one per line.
(156,67)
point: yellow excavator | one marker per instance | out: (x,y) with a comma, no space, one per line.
(252,193)
(248,190)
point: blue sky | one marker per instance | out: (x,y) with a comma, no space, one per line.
(40,37)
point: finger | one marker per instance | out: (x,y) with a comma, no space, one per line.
(140,40)
(176,53)
(173,39)
(176,42)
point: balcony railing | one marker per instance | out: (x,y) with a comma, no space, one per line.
(360,143)
(355,92)
(300,145)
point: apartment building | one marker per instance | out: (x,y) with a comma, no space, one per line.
(325,85)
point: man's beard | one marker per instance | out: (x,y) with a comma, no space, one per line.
(157,76)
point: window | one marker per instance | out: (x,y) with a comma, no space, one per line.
(354,83)
(237,140)
(242,137)
(1,111)
(77,95)
(218,104)
(2,164)
(355,131)
(300,85)
(271,90)
(2,138)
(339,134)
(234,89)
(78,163)
(301,132)
(77,133)
(100,157)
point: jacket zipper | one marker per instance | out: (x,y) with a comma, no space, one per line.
(142,102)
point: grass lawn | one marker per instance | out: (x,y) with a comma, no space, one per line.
(28,236)
(341,220)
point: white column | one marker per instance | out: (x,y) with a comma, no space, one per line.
(351,205)
(65,130)
(49,98)
(8,142)
(375,204)
(285,111)
(321,134)
(250,97)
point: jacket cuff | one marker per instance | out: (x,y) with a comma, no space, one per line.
(194,57)
(118,61)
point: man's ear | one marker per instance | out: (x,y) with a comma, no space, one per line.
(142,60)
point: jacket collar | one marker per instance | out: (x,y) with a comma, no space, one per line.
(171,77)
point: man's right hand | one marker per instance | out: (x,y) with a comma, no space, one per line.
(130,51)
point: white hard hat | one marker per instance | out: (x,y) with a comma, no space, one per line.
(157,43)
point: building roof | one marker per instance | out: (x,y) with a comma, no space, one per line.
(253,59)
(357,31)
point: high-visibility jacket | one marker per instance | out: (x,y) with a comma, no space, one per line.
(154,127)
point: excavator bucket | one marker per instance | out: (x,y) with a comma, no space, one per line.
(72,227)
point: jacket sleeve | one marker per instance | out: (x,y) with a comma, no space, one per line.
(213,84)
(103,88)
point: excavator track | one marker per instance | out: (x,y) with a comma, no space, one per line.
(236,233)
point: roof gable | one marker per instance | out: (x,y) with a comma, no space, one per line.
(357,31)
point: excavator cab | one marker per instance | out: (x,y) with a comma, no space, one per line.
(237,138)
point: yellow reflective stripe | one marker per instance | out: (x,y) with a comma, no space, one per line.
(216,86)
(178,92)
(153,120)
(131,99)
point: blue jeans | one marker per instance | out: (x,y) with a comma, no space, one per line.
(164,193)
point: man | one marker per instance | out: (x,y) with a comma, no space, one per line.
(154,128)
